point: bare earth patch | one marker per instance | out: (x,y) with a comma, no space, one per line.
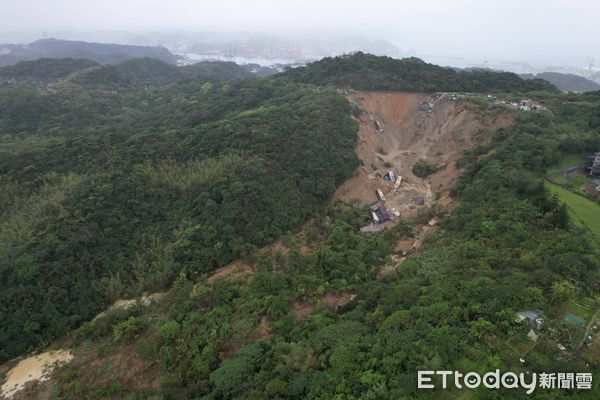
(31,369)
(124,304)
(232,271)
(262,331)
(336,299)
(409,245)
(439,138)
(303,311)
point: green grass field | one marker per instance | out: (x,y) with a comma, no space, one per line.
(567,161)
(587,302)
(584,212)
(520,344)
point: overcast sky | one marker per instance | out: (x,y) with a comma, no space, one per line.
(535,31)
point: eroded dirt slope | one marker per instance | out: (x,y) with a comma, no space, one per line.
(439,137)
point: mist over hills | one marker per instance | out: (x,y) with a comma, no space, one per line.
(566,82)
(43,69)
(137,73)
(99,52)
(595,77)
(358,70)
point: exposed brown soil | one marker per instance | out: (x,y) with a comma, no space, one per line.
(409,245)
(388,269)
(262,331)
(591,192)
(124,304)
(123,365)
(303,310)
(336,300)
(233,271)
(31,370)
(439,138)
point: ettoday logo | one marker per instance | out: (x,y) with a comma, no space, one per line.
(508,380)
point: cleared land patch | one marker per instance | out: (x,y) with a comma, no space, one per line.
(585,212)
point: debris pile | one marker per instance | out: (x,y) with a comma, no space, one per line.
(378,126)
(379,214)
(426,107)
(419,200)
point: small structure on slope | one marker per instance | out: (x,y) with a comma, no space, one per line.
(390,176)
(530,105)
(594,165)
(533,316)
(420,201)
(375,217)
(376,206)
(532,335)
(372,228)
(383,215)
(426,107)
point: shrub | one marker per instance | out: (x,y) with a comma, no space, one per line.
(129,328)
(169,331)
(422,169)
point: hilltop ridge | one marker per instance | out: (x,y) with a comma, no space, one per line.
(362,71)
(102,53)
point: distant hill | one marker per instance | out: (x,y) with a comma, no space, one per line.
(368,72)
(565,82)
(595,77)
(98,52)
(43,70)
(217,70)
(131,73)
(136,73)
(144,72)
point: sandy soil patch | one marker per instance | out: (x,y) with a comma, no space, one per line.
(35,368)
(124,304)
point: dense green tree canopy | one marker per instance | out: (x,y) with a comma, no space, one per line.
(367,72)
(199,172)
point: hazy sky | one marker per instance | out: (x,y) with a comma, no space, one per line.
(550,31)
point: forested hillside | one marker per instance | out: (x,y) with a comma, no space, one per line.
(43,70)
(134,74)
(314,318)
(103,53)
(566,82)
(367,72)
(105,194)
(147,72)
